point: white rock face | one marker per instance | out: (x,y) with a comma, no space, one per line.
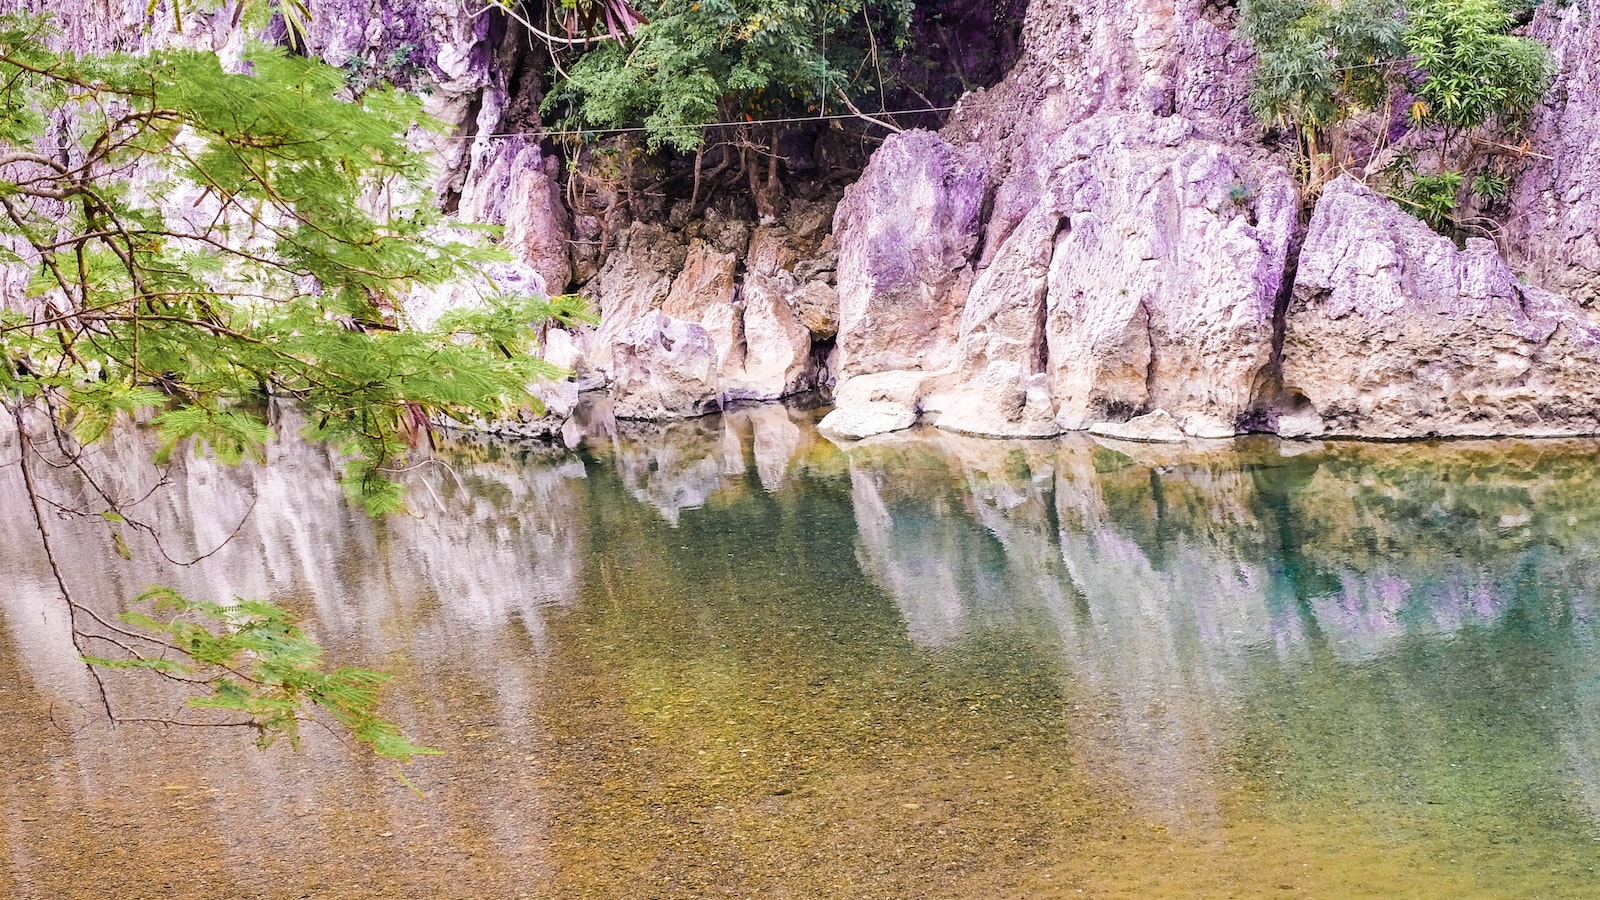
(1393,331)
(515,187)
(663,368)
(761,347)
(707,279)
(1555,205)
(635,280)
(816,305)
(905,232)
(1144,275)
(1168,257)
(777,348)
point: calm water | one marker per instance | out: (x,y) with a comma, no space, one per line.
(726,658)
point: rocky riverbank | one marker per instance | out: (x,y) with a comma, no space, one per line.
(1104,239)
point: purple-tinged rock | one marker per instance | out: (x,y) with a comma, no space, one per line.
(905,232)
(1394,332)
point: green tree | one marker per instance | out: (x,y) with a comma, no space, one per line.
(1476,75)
(1320,64)
(198,242)
(701,61)
(1474,69)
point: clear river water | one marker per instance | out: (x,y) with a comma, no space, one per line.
(726,658)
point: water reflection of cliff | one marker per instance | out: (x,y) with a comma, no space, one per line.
(459,591)
(1172,574)
(675,465)
(1190,594)
(1169,576)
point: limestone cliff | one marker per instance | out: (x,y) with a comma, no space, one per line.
(1139,271)
(1102,240)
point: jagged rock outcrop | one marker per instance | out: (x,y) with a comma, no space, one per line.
(1130,251)
(1135,259)
(777,348)
(463,60)
(1100,241)
(1143,277)
(514,185)
(1551,233)
(636,279)
(763,318)
(1167,260)
(1393,331)
(907,230)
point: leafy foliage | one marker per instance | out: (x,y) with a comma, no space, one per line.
(702,61)
(258,662)
(1475,69)
(194,241)
(1432,198)
(1322,63)
(1319,62)
(209,242)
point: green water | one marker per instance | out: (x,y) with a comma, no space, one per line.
(727,658)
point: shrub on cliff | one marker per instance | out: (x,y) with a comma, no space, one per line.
(701,61)
(1320,64)
(1454,63)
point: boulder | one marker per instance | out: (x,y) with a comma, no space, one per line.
(772,250)
(1002,402)
(905,232)
(1157,427)
(816,305)
(866,405)
(776,358)
(663,368)
(1393,331)
(636,278)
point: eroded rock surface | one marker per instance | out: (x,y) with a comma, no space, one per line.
(1393,331)
(1144,276)
(1556,204)
(906,231)
(636,279)
(663,368)
(1131,245)
(1099,237)
(1167,260)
